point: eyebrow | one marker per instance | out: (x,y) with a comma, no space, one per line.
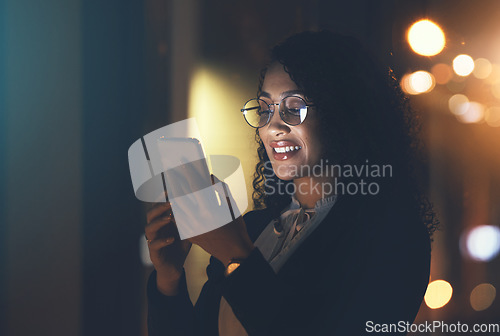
(283,94)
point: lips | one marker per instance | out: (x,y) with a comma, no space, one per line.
(284,149)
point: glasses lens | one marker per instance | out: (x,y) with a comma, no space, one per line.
(256,112)
(293,110)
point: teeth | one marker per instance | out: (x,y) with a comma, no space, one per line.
(286,149)
(279,149)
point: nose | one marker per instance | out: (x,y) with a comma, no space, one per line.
(276,126)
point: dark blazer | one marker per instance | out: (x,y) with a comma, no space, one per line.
(367,261)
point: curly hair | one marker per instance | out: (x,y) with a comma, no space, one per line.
(364,119)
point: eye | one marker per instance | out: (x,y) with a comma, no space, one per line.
(294,111)
(294,105)
(263,108)
(266,112)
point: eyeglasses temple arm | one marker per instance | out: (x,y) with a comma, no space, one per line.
(250,108)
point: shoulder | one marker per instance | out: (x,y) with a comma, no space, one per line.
(398,245)
(256,221)
(387,232)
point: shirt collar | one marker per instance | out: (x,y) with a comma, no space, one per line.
(320,204)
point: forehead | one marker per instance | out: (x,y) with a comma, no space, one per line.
(277,81)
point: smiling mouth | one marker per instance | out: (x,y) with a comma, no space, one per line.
(286,149)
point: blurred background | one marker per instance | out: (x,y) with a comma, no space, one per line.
(80,81)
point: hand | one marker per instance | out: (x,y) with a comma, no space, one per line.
(227,242)
(167,252)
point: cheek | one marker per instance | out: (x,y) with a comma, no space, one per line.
(261,135)
(315,147)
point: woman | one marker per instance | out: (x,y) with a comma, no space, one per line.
(341,251)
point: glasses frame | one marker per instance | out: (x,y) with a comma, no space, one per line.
(270,116)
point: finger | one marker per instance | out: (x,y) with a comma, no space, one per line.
(153,228)
(157,210)
(157,244)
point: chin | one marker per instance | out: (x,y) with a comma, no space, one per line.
(284,173)
(286,178)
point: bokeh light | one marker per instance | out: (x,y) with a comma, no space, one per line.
(482,296)
(426,38)
(474,113)
(418,82)
(482,243)
(494,76)
(422,81)
(442,73)
(482,68)
(463,65)
(495,90)
(405,85)
(492,116)
(458,104)
(438,294)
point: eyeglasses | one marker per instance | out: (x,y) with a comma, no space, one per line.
(292,110)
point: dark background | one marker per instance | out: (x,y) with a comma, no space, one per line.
(80,81)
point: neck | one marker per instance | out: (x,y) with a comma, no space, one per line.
(309,190)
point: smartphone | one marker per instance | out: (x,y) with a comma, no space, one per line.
(185,167)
